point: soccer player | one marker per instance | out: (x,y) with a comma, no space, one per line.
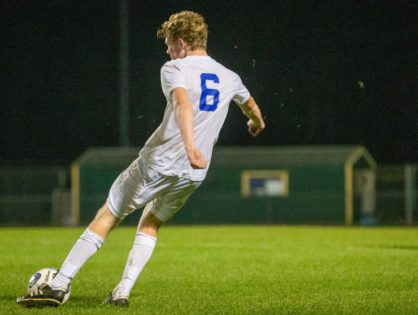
(173,162)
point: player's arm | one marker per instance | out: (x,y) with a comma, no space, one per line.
(252,111)
(184,115)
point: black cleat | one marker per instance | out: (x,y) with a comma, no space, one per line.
(123,302)
(45,296)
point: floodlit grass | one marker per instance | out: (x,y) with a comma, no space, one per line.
(229,270)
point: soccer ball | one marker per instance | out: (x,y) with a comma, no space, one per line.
(42,276)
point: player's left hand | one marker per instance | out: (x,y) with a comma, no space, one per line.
(255,128)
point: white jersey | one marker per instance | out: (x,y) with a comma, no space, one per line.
(210,87)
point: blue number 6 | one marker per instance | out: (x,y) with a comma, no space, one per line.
(208,92)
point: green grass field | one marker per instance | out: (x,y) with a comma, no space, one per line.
(229,270)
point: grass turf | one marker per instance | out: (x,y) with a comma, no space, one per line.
(229,270)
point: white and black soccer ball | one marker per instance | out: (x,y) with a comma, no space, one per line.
(42,276)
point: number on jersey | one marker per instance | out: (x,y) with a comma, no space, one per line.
(209,98)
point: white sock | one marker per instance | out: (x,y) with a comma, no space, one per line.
(86,246)
(138,257)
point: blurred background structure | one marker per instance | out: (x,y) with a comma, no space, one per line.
(82,74)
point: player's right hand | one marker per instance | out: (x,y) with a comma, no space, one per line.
(196,159)
(255,128)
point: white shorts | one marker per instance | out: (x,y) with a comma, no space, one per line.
(138,186)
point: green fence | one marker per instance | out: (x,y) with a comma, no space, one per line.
(26,194)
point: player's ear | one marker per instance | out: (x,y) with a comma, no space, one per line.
(182,42)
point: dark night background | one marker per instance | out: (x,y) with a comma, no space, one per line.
(323,72)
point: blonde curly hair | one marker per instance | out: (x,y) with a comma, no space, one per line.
(188,25)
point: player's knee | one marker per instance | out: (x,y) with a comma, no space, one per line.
(149,224)
(104,221)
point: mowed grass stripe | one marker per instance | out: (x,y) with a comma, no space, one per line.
(229,270)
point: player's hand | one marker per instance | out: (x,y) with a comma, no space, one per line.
(196,159)
(255,128)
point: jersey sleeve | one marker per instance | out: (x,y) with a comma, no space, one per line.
(172,77)
(241,92)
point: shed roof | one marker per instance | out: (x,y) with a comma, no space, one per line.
(292,155)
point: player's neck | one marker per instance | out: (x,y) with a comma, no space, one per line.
(196,52)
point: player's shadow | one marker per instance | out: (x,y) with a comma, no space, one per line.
(394,247)
(8,299)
